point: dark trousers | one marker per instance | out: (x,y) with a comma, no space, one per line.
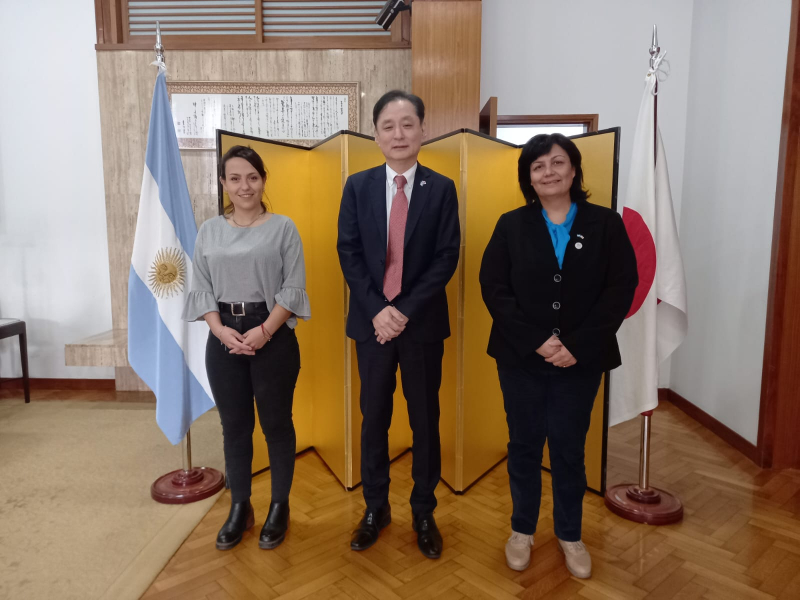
(269,376)
(421,375)
(555,405)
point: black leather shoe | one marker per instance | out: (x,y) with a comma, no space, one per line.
(240,519)
(274,530)
(370,527)
(429,539)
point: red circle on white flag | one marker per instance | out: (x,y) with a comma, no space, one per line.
(645,249)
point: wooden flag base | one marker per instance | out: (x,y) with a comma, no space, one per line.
(183,487)
(189,484)
(643,503)
(651,506)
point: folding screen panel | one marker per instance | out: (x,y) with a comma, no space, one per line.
(444,156)
(287,190)
(491,190)
(600,156)
(363,153)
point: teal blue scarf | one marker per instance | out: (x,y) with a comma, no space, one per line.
(560,233)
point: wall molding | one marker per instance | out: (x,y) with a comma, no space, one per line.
(14,383)
(722,431)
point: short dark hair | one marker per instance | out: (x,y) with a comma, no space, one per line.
(416,102)
(540,145)
(251,156)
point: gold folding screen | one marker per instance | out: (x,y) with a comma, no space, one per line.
(306,185)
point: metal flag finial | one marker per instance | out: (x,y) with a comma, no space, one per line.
(654,47)
(158,47)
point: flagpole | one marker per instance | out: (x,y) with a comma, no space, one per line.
(654,50)
(188,484)
(186,446)
(642,503)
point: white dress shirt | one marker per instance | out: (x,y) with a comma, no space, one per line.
(391,191)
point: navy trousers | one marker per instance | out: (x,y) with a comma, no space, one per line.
(421,374)
(552,404)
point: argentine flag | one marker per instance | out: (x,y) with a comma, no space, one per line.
(165,351)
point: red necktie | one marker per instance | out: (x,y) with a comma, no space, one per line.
(393,276)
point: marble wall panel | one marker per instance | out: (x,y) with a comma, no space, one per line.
(126,80)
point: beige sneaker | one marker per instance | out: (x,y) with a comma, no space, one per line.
(578,560)
(518,551)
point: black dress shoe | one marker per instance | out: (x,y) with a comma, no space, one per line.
(274,530)
(240,519)
(429,539)
(370,527)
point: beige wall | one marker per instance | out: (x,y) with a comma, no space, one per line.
(126,82)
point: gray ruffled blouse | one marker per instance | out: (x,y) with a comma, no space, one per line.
(252,264)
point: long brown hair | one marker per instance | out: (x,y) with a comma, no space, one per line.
(251,156)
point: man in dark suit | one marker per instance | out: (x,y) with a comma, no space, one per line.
(399,240)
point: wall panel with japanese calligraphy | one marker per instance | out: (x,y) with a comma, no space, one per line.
(298,113)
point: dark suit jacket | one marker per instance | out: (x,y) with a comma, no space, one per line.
(530,299)
(430,257)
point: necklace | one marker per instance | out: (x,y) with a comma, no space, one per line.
(250,223)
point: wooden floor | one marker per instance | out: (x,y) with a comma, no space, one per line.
(740,537)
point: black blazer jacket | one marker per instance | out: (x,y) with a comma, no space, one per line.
(430,256)
(530,298)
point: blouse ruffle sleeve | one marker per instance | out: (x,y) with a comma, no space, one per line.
(294,300)
(200,299)
(292,295)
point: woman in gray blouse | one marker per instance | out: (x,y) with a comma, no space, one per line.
(249,286)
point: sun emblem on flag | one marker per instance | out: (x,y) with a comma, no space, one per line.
(167,273)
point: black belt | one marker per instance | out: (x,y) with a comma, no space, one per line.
(241,309)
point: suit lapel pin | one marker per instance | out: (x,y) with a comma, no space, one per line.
(578,245)
(422,183)
(579,235)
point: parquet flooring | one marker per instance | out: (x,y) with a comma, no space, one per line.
(740,537)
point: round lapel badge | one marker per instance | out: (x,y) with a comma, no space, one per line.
(578,245)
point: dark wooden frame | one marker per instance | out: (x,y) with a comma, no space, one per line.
(779,415)
(112,34)
(590,121)
(487,118)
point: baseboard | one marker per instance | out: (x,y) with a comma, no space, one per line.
(719,429)
(8,383)
(663,394)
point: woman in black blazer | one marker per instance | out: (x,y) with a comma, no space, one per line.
(558,278)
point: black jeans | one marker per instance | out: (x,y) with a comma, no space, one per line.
(550,404)
(269,376)
(421,374)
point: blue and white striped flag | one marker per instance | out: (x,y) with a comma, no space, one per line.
(165,351)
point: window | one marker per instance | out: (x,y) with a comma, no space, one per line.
(518,129)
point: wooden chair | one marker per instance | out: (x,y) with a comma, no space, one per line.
(10,328)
